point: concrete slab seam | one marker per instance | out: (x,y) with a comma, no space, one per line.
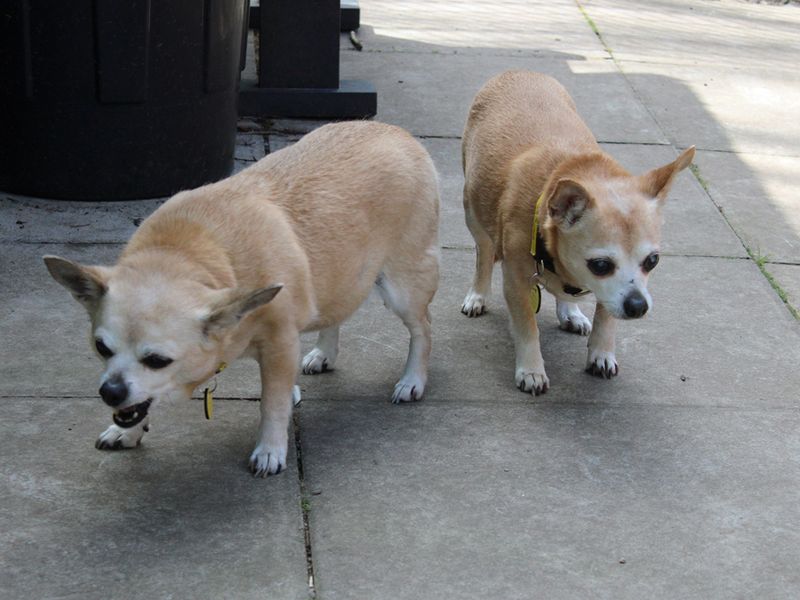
(726,151)
(465,248)
(267,149)
(305,508)
(596,31)
(760,261)
(619,68)
(67,243)
(461,401)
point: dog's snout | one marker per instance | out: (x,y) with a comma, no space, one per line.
(635,305)
(114,391)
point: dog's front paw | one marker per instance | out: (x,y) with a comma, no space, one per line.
(532,382)
(570,318)
(474,304)
(267,460)
(116,437)
(602,364)
(407,389)
(315,362)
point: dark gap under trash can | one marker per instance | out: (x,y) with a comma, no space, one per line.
(118,99)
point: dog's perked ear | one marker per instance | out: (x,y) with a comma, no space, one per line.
(656,183)
(567,202)
(235,305)
(86,284)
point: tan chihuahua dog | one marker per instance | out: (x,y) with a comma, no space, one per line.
(541,197)
(240,267)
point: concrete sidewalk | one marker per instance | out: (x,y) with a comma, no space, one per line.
(678,479)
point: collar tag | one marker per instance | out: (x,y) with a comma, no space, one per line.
(208,393)
(536,298)
(208,403)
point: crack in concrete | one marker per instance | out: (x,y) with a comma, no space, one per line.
(740,152)
(470,51)
(305,508)
(267,149)
(465,248)
(51,242)
(438,137)
(524,400)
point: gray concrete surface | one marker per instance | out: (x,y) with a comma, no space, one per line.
(429,93)
(679,478)
(176,518)
(551,500)
(758,196)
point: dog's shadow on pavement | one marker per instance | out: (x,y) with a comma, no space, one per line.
(189,479)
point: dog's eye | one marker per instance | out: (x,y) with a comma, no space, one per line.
(102,349)
(650,262)
(155,361)
(600,266)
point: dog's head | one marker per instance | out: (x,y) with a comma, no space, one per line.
(603,227)
(159,334)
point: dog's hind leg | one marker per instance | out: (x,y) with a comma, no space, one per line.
(408,290)
(474,303)
(323,356)
(570,318)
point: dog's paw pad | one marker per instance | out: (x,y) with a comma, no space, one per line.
(532,382)
(474,305)
(408,389)
(602,364)
(267,460)
(117,438)
(315,362)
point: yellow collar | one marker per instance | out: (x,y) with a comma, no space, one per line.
(536,292)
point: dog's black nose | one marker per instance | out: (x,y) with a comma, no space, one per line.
(114,391)
(635,305)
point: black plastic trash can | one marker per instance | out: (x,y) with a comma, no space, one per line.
(116,99)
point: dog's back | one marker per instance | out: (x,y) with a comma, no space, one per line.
(516,112)
(317,206)
(381,194)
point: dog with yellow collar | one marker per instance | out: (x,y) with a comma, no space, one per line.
(560,214)
(242,266)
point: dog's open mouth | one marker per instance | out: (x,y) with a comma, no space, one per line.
(133,415)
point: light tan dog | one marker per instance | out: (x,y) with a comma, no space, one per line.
(527,152)
(240,267)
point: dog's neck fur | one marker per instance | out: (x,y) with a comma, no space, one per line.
(201,257)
